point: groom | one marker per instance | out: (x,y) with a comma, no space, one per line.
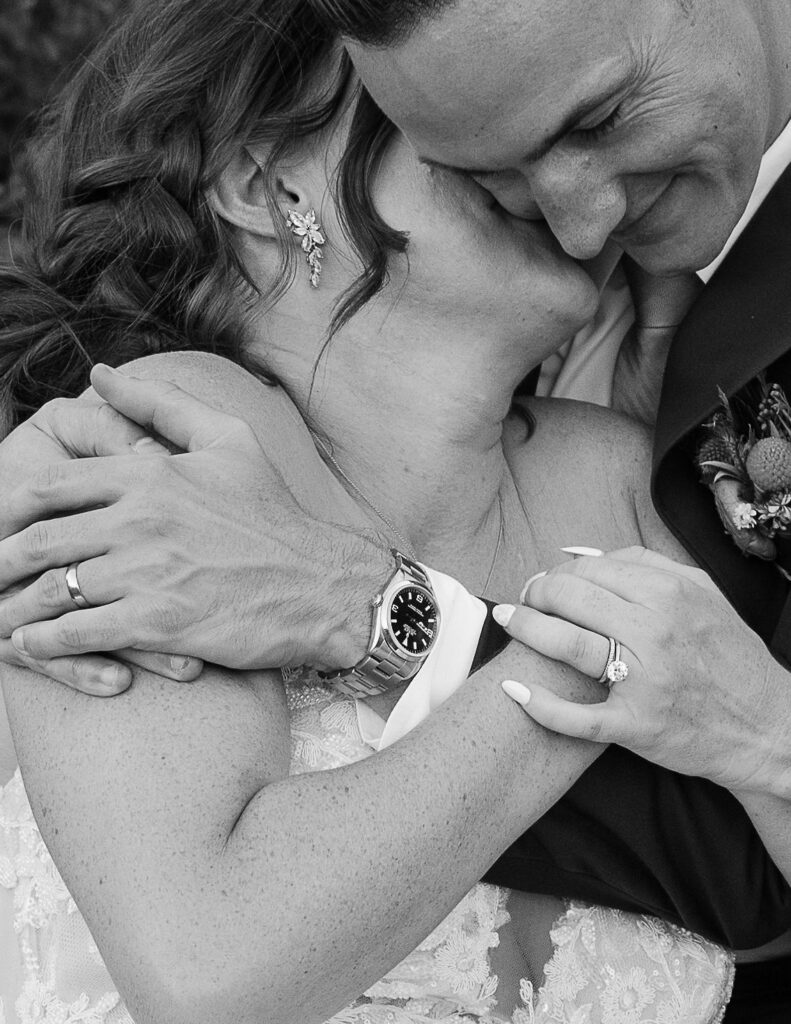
(643,124)
(662,126)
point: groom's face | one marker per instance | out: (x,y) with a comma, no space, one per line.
(644,120)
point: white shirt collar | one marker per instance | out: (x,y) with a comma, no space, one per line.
(775,161)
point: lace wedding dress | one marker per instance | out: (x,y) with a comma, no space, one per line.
(606,968)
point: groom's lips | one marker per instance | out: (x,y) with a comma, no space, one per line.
(633,225)
(636,225)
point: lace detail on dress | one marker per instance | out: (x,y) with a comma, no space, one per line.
(449,973)
(448,978)
(609,967)
(324,730)
(56,951)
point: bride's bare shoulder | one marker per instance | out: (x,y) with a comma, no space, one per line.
(591,466)
(227,386)
(571,449)
(201,373)
(273,417)
(567,429)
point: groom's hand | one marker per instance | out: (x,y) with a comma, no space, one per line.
(62,430)
(206,552)
(703,695)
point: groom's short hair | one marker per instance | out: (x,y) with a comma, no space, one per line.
(385,22)
(377,22)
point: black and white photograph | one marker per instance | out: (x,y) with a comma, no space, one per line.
(395,512)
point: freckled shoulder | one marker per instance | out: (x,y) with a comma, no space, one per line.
(229,387)
(581,467)
(599,459)
(581,437)
(271,414)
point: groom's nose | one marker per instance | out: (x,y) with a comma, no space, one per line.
(580,201)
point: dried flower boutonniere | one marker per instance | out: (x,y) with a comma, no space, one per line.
(744,455)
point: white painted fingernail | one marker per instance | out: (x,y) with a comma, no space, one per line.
(18,640)
(580,552)
(148,446)
(503,613)
(526,587)
(516,691)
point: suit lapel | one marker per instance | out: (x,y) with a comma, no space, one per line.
(739,326)
(740,323)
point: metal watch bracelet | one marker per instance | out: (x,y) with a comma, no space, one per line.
(381,668)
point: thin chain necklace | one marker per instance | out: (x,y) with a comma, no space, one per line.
(407,547)
(500,537)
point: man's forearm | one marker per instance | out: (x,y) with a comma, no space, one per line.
(765,746)
(771,816)
(768,802)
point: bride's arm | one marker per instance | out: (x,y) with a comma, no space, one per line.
(220,889)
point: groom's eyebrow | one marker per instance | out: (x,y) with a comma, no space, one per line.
(570,123)
(537,152)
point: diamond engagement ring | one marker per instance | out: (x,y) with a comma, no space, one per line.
(616,670)
(73,587)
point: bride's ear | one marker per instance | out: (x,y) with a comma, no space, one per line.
(240,195)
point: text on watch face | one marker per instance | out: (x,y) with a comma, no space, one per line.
(413,619)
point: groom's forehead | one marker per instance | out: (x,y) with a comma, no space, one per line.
(496,29)
(468,47)
(479,68)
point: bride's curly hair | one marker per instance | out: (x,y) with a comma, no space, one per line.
(121,253)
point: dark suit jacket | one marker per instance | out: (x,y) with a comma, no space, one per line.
(740,325)
(629,834)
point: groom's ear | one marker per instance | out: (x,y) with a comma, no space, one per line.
(241,195)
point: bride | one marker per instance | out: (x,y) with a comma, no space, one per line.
(235,848)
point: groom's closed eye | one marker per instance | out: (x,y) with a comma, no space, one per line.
(603,126)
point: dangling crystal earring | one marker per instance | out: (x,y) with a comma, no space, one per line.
(306,228)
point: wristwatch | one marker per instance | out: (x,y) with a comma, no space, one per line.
(404,629)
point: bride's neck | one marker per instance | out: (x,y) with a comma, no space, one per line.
(416,436)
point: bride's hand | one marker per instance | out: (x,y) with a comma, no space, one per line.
(206,552)
(702,690)
(63,430)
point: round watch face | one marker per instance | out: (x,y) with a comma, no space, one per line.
(413,619)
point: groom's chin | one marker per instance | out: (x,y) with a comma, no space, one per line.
(676,241)
(670,255)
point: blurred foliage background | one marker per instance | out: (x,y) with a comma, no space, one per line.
(40,42)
